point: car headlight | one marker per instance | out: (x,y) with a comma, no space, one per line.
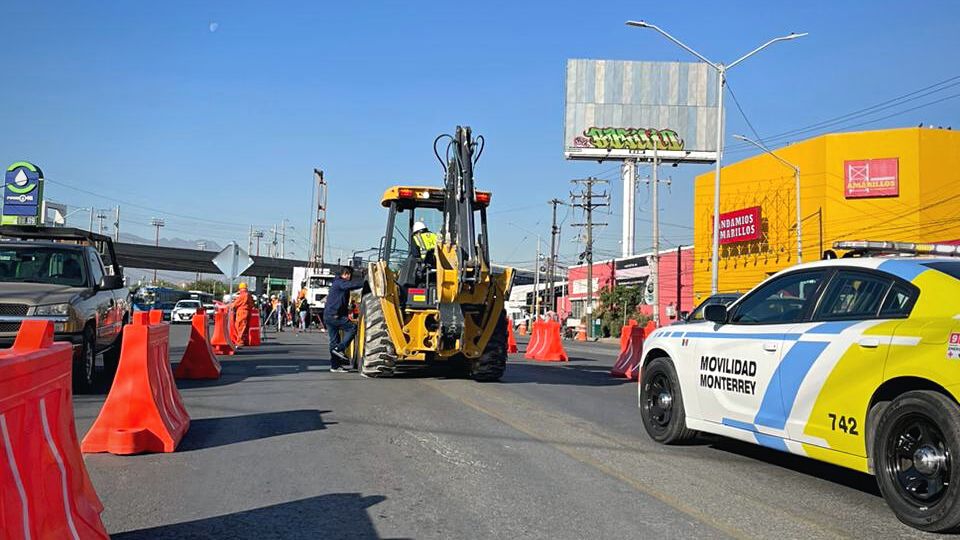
(49,310)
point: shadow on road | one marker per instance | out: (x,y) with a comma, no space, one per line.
(337,515)
(245,365)
(213,432)
(561,374)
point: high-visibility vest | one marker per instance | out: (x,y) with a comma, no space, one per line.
(426,241)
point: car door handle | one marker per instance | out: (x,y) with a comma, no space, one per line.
(770,346)
(869,343)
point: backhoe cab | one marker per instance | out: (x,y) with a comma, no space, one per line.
(441,303)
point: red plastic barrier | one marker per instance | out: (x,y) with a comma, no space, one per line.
(511,339)
(625,335)
(156,316)
(253,330)
(536,340)
(628,362)
(143,411)
(45,491)
(551,349)
(199,360)
(221,342)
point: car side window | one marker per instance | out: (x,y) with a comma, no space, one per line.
(96,269)
(899,302)
(853,295)
(785,299)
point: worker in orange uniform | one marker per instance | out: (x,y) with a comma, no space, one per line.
(242,307)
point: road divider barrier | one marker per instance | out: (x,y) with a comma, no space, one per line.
(628,361)
(199,360)
(253,329)
(511,339)
(45,491)
(536,339)
(625,334)
(549,346)
(143,411)
(156,316)
(221,342)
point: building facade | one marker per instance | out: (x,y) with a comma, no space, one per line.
(896,184)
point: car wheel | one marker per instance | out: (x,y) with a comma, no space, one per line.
(661,403)
(916,440)
(85,363)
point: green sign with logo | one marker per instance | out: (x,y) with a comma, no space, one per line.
(22,194)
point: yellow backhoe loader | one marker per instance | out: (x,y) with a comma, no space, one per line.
(432,296)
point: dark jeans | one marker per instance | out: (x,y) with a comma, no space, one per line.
(336,325)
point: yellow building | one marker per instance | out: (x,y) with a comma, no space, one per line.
(896,184)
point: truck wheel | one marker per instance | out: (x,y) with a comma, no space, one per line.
(916,439)
(661,403)
(85,363)
(379,356)
(493,362)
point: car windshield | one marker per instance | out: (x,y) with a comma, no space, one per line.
(947,267)
(36,264)
(188,304)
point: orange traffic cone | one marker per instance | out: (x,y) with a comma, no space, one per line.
(511,339)
(143,411)
(199,361)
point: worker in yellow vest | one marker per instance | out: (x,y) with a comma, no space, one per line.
(425,240)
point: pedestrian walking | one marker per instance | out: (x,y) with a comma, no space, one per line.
(303,312)
(340,329)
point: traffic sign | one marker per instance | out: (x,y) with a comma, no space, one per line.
(22,193)
(233,261)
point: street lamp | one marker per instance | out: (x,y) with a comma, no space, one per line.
(721,80)
(796,178)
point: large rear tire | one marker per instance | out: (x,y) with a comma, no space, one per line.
(379,356)
(493,362)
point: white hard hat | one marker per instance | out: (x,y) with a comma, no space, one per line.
(419,226)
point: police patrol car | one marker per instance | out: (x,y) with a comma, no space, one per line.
(852,361)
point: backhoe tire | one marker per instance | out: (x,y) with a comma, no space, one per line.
(379,355)
(493,362)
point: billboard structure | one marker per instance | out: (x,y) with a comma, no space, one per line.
(22,194)
(618,110)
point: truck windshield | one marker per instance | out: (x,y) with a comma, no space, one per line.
(34,264)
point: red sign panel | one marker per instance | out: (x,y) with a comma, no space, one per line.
(740,226)
(866,178)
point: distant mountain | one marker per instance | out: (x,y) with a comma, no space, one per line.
(170,242)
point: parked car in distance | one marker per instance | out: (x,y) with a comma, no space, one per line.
(184,310)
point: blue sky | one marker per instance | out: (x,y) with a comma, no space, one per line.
(144,103)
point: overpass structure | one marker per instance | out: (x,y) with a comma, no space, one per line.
(149,257)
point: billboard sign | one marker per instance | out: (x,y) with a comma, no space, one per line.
(868,178)
(22,194)
(620,110)
(740,226)
(631,271)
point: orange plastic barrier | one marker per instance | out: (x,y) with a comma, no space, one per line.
(143,411)
(625,334)
(156,316)
(536,340)
(221,342)
(253,330)
(649,329)
(628,362)
(199,360)
(581,332)
(551,349)
(511,339)
(45,491)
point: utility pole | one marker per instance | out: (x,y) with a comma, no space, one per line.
(536,281)
(91,218)
(319,226)
(655,259)
(101,215)
(250,240)
(283,238)
(273,243)
(552,265)
(157,222)
(116,224)
(585,199)
(258,234)
(201,245)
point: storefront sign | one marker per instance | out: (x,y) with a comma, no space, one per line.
(22,194)
(740,226)
(867,178)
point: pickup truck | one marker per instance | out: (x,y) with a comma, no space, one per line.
(69,276)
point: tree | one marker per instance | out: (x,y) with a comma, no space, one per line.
(617,305)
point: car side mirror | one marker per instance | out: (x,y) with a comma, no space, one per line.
(111,282)
(716,313)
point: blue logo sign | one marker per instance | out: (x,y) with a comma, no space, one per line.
(22,194)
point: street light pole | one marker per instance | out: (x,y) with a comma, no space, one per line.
(157,222)
(796,180)
(721,81)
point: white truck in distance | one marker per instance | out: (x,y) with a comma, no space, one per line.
(317,282)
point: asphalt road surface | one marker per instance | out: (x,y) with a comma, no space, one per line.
(281,448)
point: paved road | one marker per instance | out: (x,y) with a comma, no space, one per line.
(281,448)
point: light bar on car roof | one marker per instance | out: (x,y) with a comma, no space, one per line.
(904,248)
